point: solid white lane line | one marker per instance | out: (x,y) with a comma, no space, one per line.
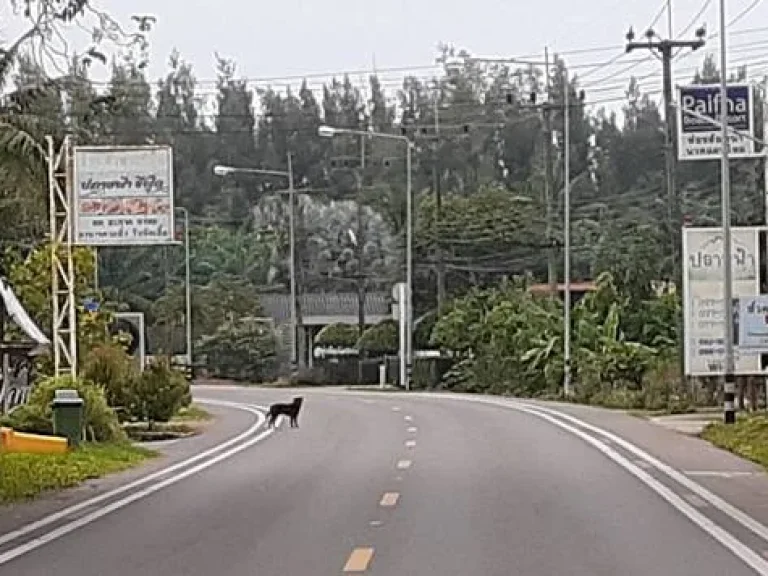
(75,508)
(725,507)
(64,529)
(718,473)
(740,550)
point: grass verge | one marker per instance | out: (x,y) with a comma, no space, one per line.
(193,413)
(24,476)
(747,438)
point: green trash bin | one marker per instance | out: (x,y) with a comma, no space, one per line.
(68,416)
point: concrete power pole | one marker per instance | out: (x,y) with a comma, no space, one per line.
(548,178)
(666,49)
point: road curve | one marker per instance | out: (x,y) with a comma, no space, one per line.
(392,485)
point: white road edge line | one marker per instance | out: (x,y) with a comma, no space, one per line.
(57,533)
(739,549)
(712,499)
(75,508)
(726,508)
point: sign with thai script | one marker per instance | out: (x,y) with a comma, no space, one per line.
(699,136)
(753,324)
(122,196)
(703,305)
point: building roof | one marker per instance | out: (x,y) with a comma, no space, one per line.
(339,305)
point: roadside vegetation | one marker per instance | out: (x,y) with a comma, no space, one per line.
(24,476)
(747,438)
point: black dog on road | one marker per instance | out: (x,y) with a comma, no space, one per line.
(290,410)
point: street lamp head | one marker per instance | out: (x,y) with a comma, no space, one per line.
(219,170)
(325,131)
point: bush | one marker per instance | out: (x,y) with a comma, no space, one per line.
(28,418)
(100,420)
(338,336)
(158,393)
(380,339)
(108,365)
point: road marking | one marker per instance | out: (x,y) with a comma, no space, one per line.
(395,408)
(76,508)
(408,418)
(399,478)
(413,429)
(359,559)
(403,464)
(410,443)
(695,500)
(726,508)
(64,529)
(717,473)
(389,499)
(738,548)
(375,523)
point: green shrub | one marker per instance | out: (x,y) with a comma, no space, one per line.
(338,336)
(28,418)
(159,393)
(380,339)
(100,420)
(109,366)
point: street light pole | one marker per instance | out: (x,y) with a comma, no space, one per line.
(331,131)
(729,384)
(220,170)
(567,239)
(187,288)
(292,234)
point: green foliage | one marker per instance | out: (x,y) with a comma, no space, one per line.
(422,329)
(379,340)
(24,476)
(109,366)
(243,349)
(158,393)
(99,420)
(510,342)
(747,438)
(338,336)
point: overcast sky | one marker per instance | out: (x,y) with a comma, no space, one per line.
(295,37)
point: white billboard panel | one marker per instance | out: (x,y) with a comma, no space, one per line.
(122,195)
(703,297)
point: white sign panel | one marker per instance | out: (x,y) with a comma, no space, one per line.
(703,297)
(701,139)
(753,324)
(123,196)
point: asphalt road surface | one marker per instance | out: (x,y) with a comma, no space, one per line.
(391,486)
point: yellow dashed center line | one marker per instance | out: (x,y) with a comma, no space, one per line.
(389,499)
(359,559)
(403,464)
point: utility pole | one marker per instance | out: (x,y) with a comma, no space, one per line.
(548,178)
(437,180)
(666,49)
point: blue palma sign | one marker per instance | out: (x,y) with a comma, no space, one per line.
(699,136)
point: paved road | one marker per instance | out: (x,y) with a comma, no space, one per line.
(390,485)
